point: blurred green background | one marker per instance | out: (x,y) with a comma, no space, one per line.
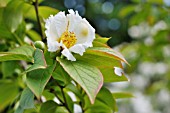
(139,29)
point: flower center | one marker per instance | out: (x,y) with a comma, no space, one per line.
(68,38)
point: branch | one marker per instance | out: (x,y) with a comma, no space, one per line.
(38,19)
(66,104)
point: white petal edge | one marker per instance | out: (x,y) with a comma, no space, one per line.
(68,54)
(78,48)
(118,71)
(53,45)
(51,31)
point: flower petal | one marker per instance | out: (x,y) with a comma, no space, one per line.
(68,54)
(50,28)
(85,33)
(61,22)
(55,26)
(118,71)
(53,45)
(78,48)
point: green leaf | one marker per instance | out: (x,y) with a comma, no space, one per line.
(19,110)
(75,90)
(104,61)
(97,107)
(48,107)
(160,2)
(3,3)
(110,76)
(111,52)
(12,15)
(102,40)
(61,109)
(4,32)
(69,101)
(61,76)
(119,95)
(6,71)
(39,61)
(126,10)
(99,44)
(33,35)
(87,76)
(26,101)
(20,53)
(104,102)
(108,100)
(44,12)
(20,32)
(37,79)
(48,95)
(8,92)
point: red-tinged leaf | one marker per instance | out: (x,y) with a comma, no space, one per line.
(87,76)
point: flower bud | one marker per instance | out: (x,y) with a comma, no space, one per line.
(39,44)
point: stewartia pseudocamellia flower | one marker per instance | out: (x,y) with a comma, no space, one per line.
(70,33)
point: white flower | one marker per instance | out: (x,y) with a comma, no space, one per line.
(70,32)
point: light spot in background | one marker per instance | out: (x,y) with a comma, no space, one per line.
(149,41)
(43,99)
(167,2)
(164,97)
(72,95)
(141,104)
(77,109)
(166,51)
(107,7)
(114,24)
(56,100)
(69,4)
(142,30)
(117,86)
(134,31)
(151,68)
(161,25)
(139,81)
(81,9)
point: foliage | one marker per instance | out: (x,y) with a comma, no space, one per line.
(29,70)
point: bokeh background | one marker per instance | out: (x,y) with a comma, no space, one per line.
(140,30)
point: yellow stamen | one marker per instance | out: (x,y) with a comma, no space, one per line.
(68,39)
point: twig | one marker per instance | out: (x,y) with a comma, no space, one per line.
(64,97)
(52,91)
(62,91)
(66,104)
(38,19)
(18,39)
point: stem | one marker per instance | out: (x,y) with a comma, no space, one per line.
(18,39)
(38,19)
(83,94)
(52,91)
(82,108)
(62,91)
(65,101)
